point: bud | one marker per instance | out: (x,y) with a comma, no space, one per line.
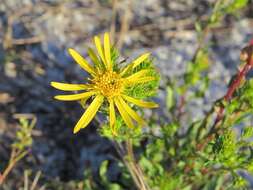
(244,56)
(246,52)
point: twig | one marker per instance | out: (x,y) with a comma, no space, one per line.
(16,154)
(113,20)
(26,180)
(35,181)
(8,40)
(26,116)
(124,25)
(24,41)
(11,165)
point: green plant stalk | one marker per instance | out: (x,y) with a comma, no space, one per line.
(13,161)
(134,166)
(121,153)
(127,156)
(16,153)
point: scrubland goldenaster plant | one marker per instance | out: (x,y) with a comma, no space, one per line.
(180,150)
(111,85)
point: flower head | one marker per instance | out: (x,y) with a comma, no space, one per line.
(109,85)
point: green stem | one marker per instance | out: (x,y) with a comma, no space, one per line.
(14,159)
(136,170)
(128,159)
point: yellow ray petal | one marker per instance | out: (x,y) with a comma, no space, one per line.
(107,48)
(81,61)
(138,74)
(68,87)
(75,96)
(124,114)
(141,80)
(135,63)
(140,103)
(131,112)
(99,48)
(112,115)
(89,114)
(140,59)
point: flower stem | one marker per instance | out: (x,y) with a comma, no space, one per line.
(136,170)
(127,155)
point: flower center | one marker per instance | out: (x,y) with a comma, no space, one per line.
(109,83)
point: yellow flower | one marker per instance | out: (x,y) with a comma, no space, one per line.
(107,85)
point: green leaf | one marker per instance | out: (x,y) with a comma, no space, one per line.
(169,98)
(198,27)
(236,5)
(188,187)
(103,170)
(202,60)
(215,18)
(240,182)
(247,132)
(232,106)
(114,186)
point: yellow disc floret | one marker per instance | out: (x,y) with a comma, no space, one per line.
(109,84)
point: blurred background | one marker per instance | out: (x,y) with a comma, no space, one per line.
(34,37)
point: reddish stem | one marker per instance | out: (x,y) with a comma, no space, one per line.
(248,51)
(251,42)
(235,84)
(237,81)
(181,106)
